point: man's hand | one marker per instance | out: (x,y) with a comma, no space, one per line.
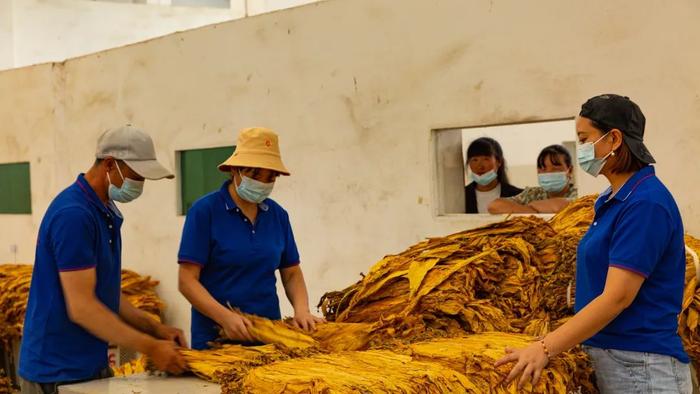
(165,357)
(161,331)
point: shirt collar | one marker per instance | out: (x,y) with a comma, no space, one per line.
(631,185)
(230,204)
(90,194)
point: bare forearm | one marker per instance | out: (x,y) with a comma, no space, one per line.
(202,300)
(589,321)
(295,288)
(508,206)
(551,205)
(96,318)
(136,318)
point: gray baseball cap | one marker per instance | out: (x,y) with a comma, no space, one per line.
(133,146)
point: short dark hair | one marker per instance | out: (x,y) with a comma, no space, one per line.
(485,146)
(554,152)
(625,161)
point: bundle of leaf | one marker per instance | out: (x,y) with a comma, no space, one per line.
(132,367)
(229,362)
(372,371)
(233,360)
(140,291)
(327,337)
(14,291)
(578,214)
(437,366)
(5,384)
(690,315)
(487,279)
(475,355)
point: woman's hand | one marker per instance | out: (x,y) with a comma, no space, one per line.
(551,205)
(236,327)
(306,321)
(529,363)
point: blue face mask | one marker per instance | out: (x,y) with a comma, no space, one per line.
(587,160)
(129,191)
(485,178)
(553,182)
(252,190)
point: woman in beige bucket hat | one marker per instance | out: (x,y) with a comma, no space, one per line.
(233,242)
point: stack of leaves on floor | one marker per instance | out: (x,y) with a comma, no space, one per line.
(14,291)
(141,293)
(690,314)
(5,384)
(513,276)
(15,280)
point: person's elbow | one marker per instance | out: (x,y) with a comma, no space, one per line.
(618,300)
(498,206)
(80,309)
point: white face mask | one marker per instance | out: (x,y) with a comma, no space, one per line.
(252,190)
(587,160)
(485,178)
(130,190)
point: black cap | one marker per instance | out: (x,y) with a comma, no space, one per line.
(613,111)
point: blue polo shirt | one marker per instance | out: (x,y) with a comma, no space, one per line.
(639,230)
(238,258)
(77,232)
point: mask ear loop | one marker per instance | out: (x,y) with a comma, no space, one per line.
(119,171)
(234,178)
(109,179)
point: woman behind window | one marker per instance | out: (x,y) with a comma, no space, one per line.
(487,170)
(555,191)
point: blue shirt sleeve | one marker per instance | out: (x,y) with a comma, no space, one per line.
(290,255)
(640,237)
(73,235)
(196,236)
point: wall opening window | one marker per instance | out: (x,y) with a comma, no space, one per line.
(186,3)
(202,3)
(521,144)
(199,174)
(15,194)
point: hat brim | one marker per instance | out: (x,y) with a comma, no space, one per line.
(149,169)
(269,162)
(639,150)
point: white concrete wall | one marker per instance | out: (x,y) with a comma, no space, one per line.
(354,88)
(7,47)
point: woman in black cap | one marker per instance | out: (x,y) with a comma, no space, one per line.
(487,170)
(630,266)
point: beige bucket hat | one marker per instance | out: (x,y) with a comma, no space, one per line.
(257,147)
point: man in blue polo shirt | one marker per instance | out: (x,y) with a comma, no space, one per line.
(75,306)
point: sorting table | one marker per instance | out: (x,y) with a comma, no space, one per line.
(143,384)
